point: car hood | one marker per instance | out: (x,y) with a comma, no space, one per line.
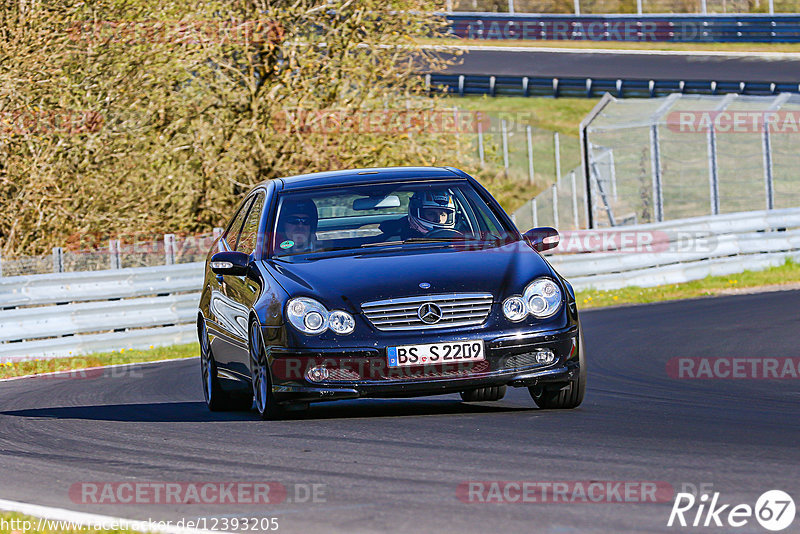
(345,282)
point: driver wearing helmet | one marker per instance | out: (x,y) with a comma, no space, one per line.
(431,210)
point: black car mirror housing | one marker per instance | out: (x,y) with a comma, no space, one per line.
(542,238)
(230,262)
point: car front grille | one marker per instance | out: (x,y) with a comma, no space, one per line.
(455,309)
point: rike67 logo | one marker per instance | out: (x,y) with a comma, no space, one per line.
(774,510)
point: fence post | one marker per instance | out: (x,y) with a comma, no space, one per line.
(768,186)
(169,249)
(511,6)
(58,260)
(703,8)
(586,205)
(577,4)
(535,213)
(1,264)
(504,127)
(612,173)
(639,7)
(713,180)
(449,6)
(771,7)
(555,205)
(655,165)
(480,142)
(530,153)
(115,261)
(575,201)
(557,149)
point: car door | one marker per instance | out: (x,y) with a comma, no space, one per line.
(244,290)
(227,334)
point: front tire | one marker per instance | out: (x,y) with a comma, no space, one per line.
(265,403)
(492,393)
(216,398)
(564,396)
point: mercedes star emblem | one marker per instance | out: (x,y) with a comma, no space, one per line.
(429,313)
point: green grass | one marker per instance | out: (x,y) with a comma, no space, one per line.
(546,115)
(15,523)
(562,115)
(623,45)
(774,277)
(49,365)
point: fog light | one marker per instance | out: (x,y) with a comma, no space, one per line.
(317,374)
(545,356)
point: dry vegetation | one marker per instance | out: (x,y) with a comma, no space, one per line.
(120,117)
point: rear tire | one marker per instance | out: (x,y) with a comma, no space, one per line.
(492,393)
(216,398)
(563,396)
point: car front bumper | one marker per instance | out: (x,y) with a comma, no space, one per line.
(505,364)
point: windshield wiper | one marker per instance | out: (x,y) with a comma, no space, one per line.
(381,244)
(451,239)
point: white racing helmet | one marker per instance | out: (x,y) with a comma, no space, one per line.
(426,209)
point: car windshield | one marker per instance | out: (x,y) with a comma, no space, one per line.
(383,215)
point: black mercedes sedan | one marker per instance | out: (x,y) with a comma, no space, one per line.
(393,282)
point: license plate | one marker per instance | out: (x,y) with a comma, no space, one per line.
(435,353)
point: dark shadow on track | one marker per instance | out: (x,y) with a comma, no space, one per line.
(197,412)
(351,409)
(159,412)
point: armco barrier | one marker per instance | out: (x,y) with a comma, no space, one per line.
(784,28)
(54,315)
(694,248)
(48,315)
(461,84)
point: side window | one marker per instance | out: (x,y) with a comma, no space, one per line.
(247,241)
(232,233)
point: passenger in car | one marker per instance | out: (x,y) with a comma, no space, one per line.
(297,227)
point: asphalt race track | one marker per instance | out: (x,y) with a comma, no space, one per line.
(396,464)
(627,65)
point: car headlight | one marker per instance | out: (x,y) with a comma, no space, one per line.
(542,299)
(311,317)
(514,309)
(341,322)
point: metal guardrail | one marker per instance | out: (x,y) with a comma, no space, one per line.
(682,250)
(639,28)
(55,315)
(591,87)
(60,314)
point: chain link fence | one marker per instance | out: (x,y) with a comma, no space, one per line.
(691,155)
(680,156)
(598,7)
(524,153)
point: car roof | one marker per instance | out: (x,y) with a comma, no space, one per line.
(365,176)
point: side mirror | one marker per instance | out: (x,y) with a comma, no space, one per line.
(234,263)
(543,238)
